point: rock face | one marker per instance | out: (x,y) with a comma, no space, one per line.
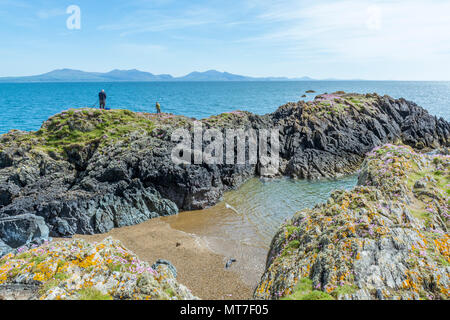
(4,248)
(18,292)
(386,239)
(330,136)
(26,229)
(77,270)
(87,171)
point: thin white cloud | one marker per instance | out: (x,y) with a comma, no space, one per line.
(359,28)
(15,3)
(142,49)
(374,19)
(146,21)
(50,13)
(321,38)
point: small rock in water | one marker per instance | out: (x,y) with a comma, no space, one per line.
(229,263)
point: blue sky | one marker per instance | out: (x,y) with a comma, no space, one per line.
(348,39)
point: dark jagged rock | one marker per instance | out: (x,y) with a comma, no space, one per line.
(81,212)
(22,230)
(4,248)
(87,171)
(331,136)
(230,263)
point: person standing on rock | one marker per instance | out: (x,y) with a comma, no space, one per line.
(158,107)
(102,99)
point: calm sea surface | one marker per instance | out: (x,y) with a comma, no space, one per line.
(25,106)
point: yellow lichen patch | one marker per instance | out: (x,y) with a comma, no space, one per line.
(77,270)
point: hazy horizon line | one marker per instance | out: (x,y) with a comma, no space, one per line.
(252,78)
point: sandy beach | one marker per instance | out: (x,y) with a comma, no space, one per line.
(199,268)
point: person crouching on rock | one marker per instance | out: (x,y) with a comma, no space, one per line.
(102,98)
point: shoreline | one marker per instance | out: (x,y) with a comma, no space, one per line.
(199,268)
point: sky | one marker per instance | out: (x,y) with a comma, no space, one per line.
(345,39)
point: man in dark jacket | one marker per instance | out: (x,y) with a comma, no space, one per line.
(102,98)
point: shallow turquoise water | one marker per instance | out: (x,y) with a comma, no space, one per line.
(243,224)
(25,106)
(252,214)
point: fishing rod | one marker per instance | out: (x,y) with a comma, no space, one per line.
(93,105)
(97,101)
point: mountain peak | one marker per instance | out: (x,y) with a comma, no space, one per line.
(71,75)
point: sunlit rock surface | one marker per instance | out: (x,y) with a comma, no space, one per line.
(386,239)
(78,270)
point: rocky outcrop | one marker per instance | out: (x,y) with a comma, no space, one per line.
(386,239)
(78,270)
(88,171)
(18,292)
(330,136)
(161,263)
(17,231)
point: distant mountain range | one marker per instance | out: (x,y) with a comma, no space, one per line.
(69,75)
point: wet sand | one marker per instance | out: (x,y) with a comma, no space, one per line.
(199,268)
(228,234)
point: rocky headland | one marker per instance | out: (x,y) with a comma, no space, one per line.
(386,239)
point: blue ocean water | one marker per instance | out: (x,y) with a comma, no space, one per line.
(25,106)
